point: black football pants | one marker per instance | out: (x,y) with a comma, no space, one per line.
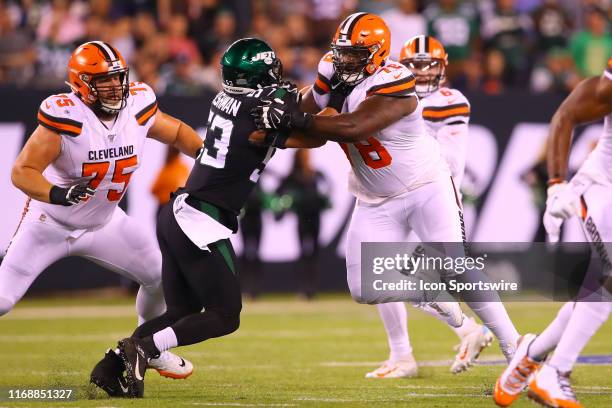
(201,288)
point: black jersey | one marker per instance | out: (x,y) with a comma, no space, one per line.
(229,166)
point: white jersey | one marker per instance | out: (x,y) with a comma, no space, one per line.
(598,166)
(396,159)
(106,157)
(447,113)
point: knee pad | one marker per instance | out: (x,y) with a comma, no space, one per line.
(5,306)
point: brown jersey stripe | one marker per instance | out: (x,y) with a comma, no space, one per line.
(322,85)
(144,115)
(403,86)
(64,121)
(437,114)
(59,127)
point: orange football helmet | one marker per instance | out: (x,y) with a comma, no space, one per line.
(92,62)
(360,46)
(427,59)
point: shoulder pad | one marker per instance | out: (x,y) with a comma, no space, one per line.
(325,71)
(392,79)
(447,105)
(59,114)
(143,102)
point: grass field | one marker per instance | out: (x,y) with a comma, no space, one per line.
(286,354)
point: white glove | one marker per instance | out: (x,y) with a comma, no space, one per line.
(552,225)
(562,202)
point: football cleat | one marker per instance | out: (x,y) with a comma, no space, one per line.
(470,348)
(108,375)
(552,388)
(516,376)
(450,312)
(135,360)
(404,368)
(171,366)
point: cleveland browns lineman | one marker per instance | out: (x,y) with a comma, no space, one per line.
(446,113)
(588,195)
(401,182)
(75,168)
(199,266)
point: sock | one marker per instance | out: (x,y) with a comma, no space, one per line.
(550,337)
(150,303)
(165,339)
(468,326)
(495,317)
(395,319)
(586,319)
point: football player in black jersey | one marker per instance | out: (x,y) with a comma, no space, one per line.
(199,265)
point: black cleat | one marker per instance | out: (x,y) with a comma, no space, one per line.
(108,375)
(135,359)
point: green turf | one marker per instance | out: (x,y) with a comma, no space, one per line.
(286,353)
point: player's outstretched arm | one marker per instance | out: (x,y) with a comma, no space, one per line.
(172,131)
(41,149)
(589,101)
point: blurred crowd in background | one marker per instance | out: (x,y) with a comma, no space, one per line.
(175,45)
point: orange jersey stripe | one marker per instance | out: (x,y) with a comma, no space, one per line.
(146,114)
(447,113)
(396,88)
(322,85)
(58,127)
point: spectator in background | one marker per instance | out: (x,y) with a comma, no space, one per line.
(455,24)
(495,66)
(61,26)
(592,46)
(17,54)
(505,30)
(324,17)
(146,69)
(552,26)
(471,78)
(173,175)
(305,186)
(183,78)
(178,41)
(404,22)
(143,28)
(557,73)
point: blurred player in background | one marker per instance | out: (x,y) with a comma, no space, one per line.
(587,195)
(75,168)
(401,182)
(446,113)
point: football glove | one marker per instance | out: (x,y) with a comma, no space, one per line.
(71,195)
(552,225)
(339,91)
(277,138)
(278,109)
(562,202)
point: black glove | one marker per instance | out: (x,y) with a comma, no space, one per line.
(277,138)
(70,195)
(278,109)
(339,90)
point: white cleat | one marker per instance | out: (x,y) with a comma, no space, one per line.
(517,375)
(172,366)
(404,368)
(552,388)
(450,312)
(470,348)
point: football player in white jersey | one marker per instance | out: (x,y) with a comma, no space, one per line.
(588,195)
(75,167)
(399,177)
(446,113)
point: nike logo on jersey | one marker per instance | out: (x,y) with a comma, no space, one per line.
(397,76)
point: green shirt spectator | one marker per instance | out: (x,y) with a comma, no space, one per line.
(592,47)
(455,24)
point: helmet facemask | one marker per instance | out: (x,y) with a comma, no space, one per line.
(351,62)
(244,82)
(428,72)
(109,98)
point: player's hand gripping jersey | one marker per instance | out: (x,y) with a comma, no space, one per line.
(400,157)
(106,157)
(447,114)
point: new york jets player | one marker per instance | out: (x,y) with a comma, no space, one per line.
(199,267)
